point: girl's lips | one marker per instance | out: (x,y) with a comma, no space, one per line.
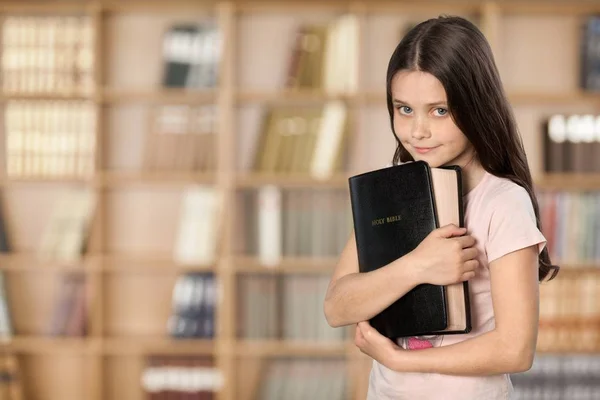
(423,150)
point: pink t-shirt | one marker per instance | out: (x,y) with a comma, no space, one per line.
(499,214)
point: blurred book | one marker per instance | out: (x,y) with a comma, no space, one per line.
(181,138)
(11,384)
(572,144)
(66,235)
(286,307)
(303,378)
(48,54)
(303,141)
(180,377)
(195,297)
(191,55)
(559,377)
(50,139)
(296,223)
(70,311)
(325,56)
(196,241)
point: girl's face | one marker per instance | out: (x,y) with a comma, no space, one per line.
(423,123)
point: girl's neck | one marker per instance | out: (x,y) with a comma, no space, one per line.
(472,174)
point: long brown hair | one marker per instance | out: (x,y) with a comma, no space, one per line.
(454,51)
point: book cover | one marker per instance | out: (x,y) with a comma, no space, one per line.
(393,210)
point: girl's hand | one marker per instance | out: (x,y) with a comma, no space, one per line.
(375,345)
(445,256)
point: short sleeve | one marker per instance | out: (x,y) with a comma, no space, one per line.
(512,225)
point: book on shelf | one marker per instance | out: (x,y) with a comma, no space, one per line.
(196,241)
(570,314)
(181,138)
(303,378)
(69,316)
(6,326)
(287,307)
(393,210)
(65,237)
(48,55)
(180,377)
(325,56)
(282,223)
(11,385)
(307,141)
(191,55)
(195,297)
(590,54)
(50,138)
(571,226)
(559,377)
(572,144)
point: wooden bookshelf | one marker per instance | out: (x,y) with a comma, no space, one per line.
(130,267)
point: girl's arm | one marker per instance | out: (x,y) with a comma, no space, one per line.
(508,348)
(354,296)
(443,257)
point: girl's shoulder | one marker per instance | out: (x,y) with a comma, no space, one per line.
(502,198)
(499,189)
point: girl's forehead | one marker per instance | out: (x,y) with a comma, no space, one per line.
(418,87)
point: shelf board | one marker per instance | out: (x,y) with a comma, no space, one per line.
(255,180)
(157,6)
(4,97)
(154,264)
(51,345)
(50,180)
(31,262)
(286,266)
(574,269)
(291,348)
(161,95)
(111,179)
(568,181)
(54,7)
(291,96)
(157,345)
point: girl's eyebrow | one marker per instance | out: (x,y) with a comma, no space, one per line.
(435,103)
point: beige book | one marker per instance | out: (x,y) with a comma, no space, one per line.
(445,189)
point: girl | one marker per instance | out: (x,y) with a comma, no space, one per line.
(447,106)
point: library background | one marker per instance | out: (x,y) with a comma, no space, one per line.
(174,189)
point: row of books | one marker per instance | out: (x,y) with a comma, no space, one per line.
(69,312)
(559,377)
(570,313)
(302,140)
(590,53)
(65,236)
(182,138)
(284,307)
(295,223)
(11,382)
(47,54)
(572,143)
(299,379)
(50,138)
(571,225)
(181,378)
(325,56)
(195,298)
(191,53)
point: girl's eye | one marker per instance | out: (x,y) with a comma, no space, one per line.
(441,111)
(405,109)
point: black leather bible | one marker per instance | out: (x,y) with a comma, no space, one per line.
(393,210)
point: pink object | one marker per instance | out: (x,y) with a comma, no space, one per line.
(418,344)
